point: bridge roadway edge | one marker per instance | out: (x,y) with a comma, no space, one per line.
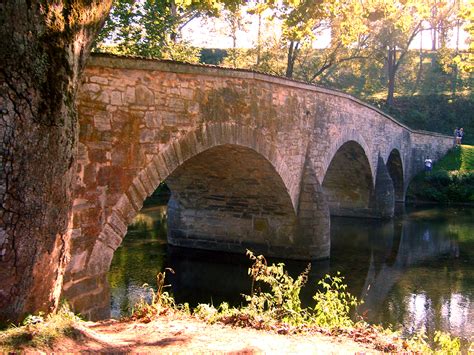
(123,62)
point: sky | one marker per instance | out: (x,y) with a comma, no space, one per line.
(211,33)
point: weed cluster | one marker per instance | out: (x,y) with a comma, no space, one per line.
(274,302)
(161,302)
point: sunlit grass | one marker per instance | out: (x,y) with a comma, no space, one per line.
(467,157)
(460,158)
(38,331)
(451,180)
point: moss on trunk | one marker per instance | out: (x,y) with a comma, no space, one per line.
(44,48)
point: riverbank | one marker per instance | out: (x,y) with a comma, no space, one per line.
(450,182)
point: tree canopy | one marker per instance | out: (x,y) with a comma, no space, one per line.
(375,33)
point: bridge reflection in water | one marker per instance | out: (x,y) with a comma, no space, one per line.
(415,271)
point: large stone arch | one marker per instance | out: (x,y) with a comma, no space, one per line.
(230,198)
(90,266)
(142,119)
(348,183)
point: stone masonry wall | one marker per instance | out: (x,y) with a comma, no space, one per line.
(141,121)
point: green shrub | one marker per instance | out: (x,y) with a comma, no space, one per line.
(275,301)
(445,344)
(282,301)
(439,178)
(443,186)
(334,303)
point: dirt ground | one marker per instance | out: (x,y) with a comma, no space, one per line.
(188,335)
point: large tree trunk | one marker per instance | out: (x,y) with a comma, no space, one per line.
(44,46)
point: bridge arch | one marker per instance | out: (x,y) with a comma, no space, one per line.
(336,144)
(348,183)
(207,138)
(395,169)
(229,197)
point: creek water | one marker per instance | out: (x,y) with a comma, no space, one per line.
(413,272)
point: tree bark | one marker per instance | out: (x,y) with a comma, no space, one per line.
(391,71)
(292,54)
(44,46)
(419,72)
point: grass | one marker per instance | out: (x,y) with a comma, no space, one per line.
(38,331)
(450,182)
(460,158)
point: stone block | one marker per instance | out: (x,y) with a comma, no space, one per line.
(161,167)
(102,121)
(169,118)
(170,158)
(146,183)
(116,98)
(129,95)
(86,302)
(81,287)
(100,259)
(110,237)
(186,93)
(153,175)
(82,155)
(118,223)
(102,97)
(176,104)
(135,198)
(144,96)
(152,119)
(148,136)
(126,209)
(98,156)
(90,88)
(188,146)
(140,189)
(99,80)
(78,261)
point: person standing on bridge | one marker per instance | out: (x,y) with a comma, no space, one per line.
(461,135)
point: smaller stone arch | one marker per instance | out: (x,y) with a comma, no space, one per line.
(396,171)
(348,183)
(347,136)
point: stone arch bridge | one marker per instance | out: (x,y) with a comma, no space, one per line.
(251,160)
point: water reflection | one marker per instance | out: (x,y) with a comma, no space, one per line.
(414,272)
